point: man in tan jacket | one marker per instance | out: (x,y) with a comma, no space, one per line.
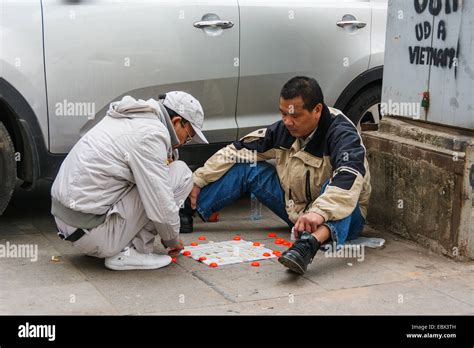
(320,184)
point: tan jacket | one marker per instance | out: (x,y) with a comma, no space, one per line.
(335,152)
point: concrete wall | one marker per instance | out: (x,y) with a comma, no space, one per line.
(422,181)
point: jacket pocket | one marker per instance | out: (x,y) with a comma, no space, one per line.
(309,160)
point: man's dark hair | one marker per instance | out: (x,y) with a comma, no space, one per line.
(305,87)
(171,112)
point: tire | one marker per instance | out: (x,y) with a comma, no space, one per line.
(364,108)
(7,168)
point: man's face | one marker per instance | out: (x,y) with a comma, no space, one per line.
(299,121)
(183,131)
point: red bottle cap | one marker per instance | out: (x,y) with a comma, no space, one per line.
(255,264)
(279,241)
(237,238)
(256,244)
(202,258)
(213,264)
(173,259)
(266,254)
(194,244)
(187,253)
(202,238)
(214,217)
(272,235)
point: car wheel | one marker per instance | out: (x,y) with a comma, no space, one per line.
(364,108)
(7,168)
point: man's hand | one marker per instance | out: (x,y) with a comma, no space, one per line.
(174,250)
(308,222)
(193,196)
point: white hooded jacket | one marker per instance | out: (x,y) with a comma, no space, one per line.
(130,146)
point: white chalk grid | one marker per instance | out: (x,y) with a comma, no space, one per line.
(228,252)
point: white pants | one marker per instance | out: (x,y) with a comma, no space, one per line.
(127,221)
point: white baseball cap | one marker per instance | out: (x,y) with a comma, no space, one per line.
(189,108)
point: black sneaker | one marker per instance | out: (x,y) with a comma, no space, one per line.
(301,254)
(186,217)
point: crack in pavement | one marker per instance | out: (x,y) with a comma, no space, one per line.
(213,287)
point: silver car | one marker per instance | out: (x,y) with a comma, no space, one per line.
(62,62)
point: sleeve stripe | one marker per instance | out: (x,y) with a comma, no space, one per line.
(347,169)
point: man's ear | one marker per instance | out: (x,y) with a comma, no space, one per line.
(175,120)
(318,109)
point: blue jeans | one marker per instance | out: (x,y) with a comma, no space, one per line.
(262,180)
(348,228)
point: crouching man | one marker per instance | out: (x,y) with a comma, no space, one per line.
(121,185)
(320,184)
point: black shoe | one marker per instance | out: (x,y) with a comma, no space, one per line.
(301,254)
(186,217)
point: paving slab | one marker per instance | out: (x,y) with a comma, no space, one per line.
(246,283)
(460,287)
(66,299)
(402,298)
(341,273)
(140,292)
(22,272)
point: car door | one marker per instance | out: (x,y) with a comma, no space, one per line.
(96,51)
(325,39)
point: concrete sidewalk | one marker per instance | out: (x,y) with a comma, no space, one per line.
(401,278)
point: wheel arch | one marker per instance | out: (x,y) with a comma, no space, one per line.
(23,126)
(361,82)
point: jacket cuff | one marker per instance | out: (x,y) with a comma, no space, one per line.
(199,181)
(320,212)
(172,243)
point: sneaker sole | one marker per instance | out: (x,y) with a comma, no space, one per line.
(291,264)
(132,268)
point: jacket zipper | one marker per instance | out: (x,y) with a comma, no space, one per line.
(308,190)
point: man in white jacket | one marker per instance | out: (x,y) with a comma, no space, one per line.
(121,185)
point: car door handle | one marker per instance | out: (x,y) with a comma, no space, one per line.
(213,23)
(357,24)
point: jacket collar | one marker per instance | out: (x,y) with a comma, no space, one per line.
(166,120)
(316,144)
